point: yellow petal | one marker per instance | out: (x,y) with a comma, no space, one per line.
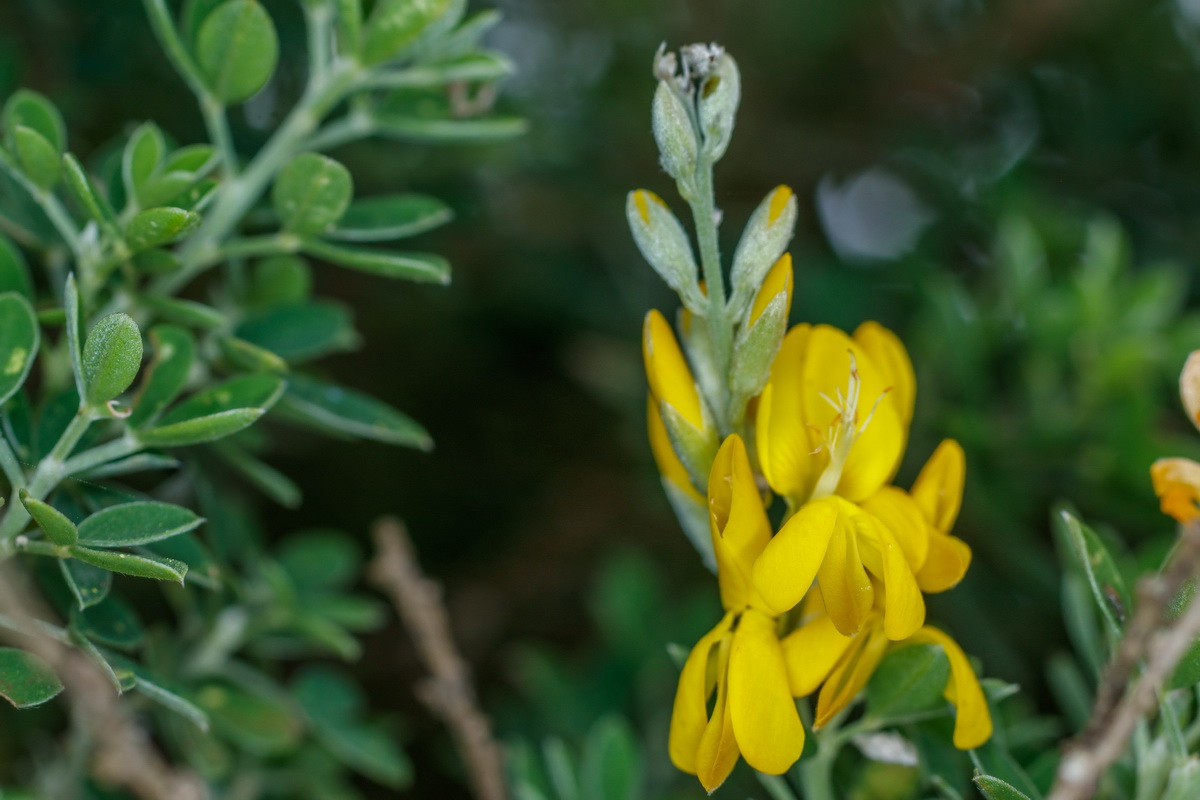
(973,722)
(718,751)
(844,583)
(787,445)
(689,717)
(1189,387)
(667,370)
(664,454)
(810,653)
(903,604)
(792,559)
(888,353)
(876,452)
(765,721)
(779,279)
(1177,484)
(851,674)
(740,529)
(946,565)
(896,510)
(938,489)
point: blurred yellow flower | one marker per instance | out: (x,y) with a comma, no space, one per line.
(1177,480)
(741,660)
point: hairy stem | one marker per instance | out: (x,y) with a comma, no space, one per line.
(720,332)
(49,472)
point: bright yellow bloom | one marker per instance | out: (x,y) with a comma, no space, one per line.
(817,655)
(1177,480)
(741,659)
(831,428)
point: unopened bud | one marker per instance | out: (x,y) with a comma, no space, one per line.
(674,133)
(762,331)
(718,98)
(766,237)
(664,244)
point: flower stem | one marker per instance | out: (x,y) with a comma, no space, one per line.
(720,332)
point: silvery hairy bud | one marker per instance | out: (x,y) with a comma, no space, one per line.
(766,237)
(664,244)
(717,101)
(674,133)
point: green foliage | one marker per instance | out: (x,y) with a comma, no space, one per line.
(156,395)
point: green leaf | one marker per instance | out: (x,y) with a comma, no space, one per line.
(320,559)
(381,219)
(301,331)
(54,523)
(910,679)
(419,267)
(14,273)
(32,110)
(279,280)
(25,679)
(171,700)
(561,768)
(89,584)
(140,161)
(74,311)
(250,357)
(186,547)
(192,17)
(441,131)
(112,357)
(1108,587)
(236,49)
(136,523)
(141,462)
(311,194)
(259,723)
(346,411)
(155,227)
(258,392)
(110,622)
(993,788)
(162,569)
(396,24)
(19,339)
(156,262)
(185,312)
(85,192)
(195,159)
(612,765)
(201,429)
(174,351)
(37,157)
(270,481)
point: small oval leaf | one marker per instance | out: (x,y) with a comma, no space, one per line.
(381,219)
(37,157)
(112,357)
(237,49)
(419,267)
(155,567)
(33,110)
(312,193)
(155,227)
(136,523)
(25,679)
(87,583)
(350,412)
(203,429)
(19,338)
(53,522)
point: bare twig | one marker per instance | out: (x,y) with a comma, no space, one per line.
(1119,705)
(448,691)
(123,754)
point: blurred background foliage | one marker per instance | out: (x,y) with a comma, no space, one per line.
(1013,185)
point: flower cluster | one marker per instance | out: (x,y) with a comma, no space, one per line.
(745,412)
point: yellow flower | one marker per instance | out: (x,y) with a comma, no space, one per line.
(830,452)
(741,660)
(682,435)
(817,655)
(1177,480)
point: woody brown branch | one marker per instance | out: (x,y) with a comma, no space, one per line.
(1120,702)
(123,755)
(448,691)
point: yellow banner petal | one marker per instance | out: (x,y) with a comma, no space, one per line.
(888,353)
(765,721)
(844,582)
(1177,484)
(689,716)
(938,489)
(973,721)
(851,674)
(810,653)
(788,449)
(791,560)
(902,516)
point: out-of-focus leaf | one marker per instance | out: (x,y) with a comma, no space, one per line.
(32,110)
(259,723)
(444,131)
(300,332)
(245,391)
(418,267)
(237,49)
(250,357)
(25,679)
(14,272)
(155,227)
(19,339)
(111,622)
(1093,558)
(347,411)
(89,584)
(325,559)
(38,158)
(396,24)
(311,194)
(270,481)
(174,351)
(143,153)
(279,280)
(909,679)
(185,312)
(381,219)
(612,763)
